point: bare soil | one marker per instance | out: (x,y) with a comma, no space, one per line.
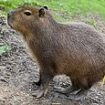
(18,71)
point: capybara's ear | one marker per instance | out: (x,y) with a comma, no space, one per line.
(41,12)
(45,7)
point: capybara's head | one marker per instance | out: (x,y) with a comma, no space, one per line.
(25,17)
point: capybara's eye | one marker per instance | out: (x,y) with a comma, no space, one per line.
(28,12)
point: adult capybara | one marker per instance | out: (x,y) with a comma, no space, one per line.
(74,49)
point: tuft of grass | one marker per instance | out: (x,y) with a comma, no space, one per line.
(4,48)
(91,22)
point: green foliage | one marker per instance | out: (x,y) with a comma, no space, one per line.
(71,7)
(4,48)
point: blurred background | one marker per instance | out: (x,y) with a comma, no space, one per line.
(62,8)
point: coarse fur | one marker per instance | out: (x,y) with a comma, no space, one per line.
(74,49)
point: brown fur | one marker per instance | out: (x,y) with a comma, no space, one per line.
(74,49)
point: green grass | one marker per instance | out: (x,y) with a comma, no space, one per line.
(4,48)
(71,7)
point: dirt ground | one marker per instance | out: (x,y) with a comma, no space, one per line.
(18,71)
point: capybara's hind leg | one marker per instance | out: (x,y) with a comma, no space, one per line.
(84,85)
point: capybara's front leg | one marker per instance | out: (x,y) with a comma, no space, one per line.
(45,78)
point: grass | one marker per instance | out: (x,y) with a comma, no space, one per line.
(71,7)
(62,9)
(4,48)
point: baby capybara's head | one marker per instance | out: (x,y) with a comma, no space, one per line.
(25,17)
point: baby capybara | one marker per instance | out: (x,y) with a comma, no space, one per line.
(74,49)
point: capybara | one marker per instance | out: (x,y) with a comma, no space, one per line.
(75,49)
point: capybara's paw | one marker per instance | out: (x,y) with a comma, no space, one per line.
(38,93)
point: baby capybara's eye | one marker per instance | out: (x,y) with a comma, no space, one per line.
(27,12)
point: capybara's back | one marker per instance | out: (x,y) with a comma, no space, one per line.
(74,49)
